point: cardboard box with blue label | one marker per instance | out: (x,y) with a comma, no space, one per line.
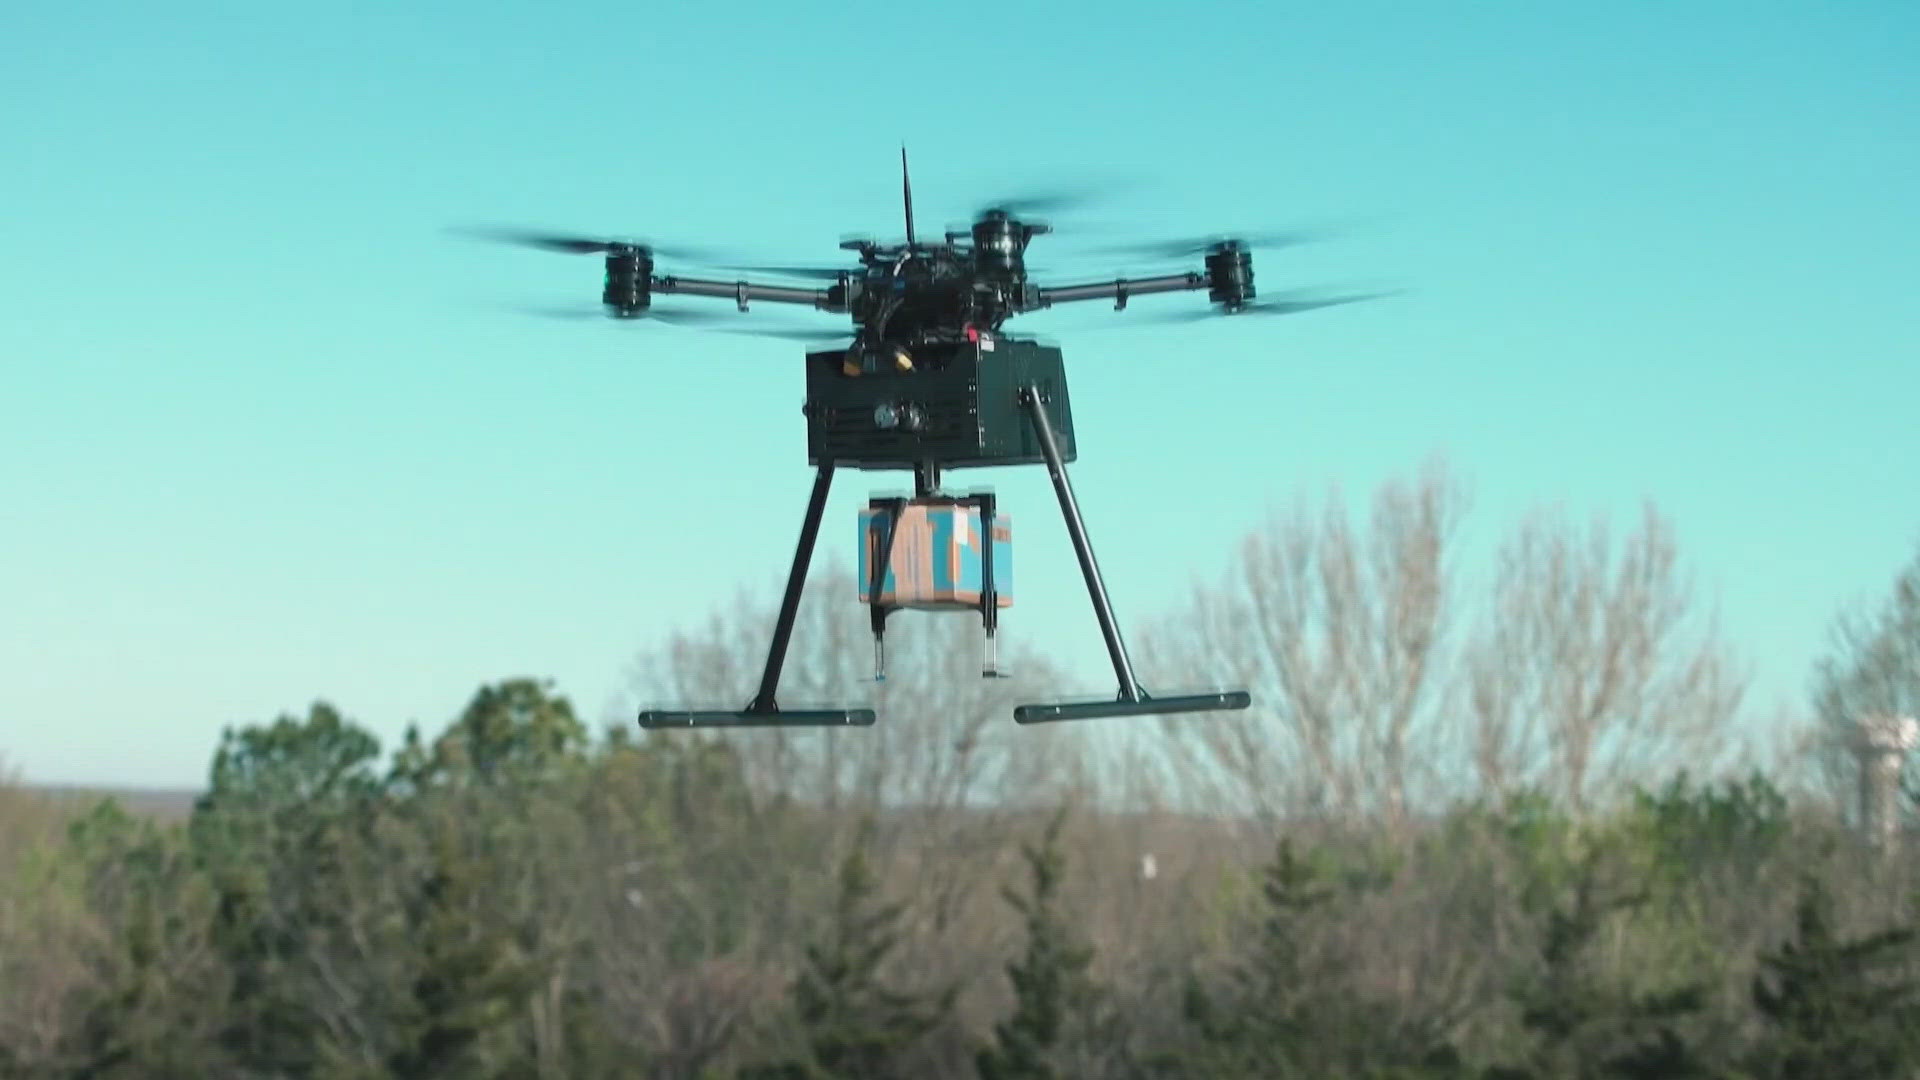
(936,558)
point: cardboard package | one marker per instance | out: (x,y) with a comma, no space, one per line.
(936,558)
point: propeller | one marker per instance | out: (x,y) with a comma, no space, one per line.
(714,319)
(825,273)
(1187,247)
(1040,202)
(822,335)
(1074,193)
(856,242)
(674,316)
(575,245)
(1287,305)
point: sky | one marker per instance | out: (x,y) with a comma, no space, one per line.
(269,435)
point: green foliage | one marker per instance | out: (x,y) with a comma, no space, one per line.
(276,834)
(853,1025)
(145,1016)
(292,762)
(1283,1013)
(503,899)
(1583,1024)
(468,977)
(1688,828)
(1257,1030)
(1831,1006)
(1696,846)
(514,731)
(1526,830)
(1050,981)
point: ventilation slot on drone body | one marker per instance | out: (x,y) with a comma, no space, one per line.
(855,428)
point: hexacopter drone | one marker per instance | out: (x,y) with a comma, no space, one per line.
(928,384)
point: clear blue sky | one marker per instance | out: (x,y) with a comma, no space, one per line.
(266,434)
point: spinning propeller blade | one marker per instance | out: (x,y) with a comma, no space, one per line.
(1291,305)
(575,245)
(676,316)
(801,334)
(699,318)
(827,273)
(1041,202)
(1189,247)
(1067,196)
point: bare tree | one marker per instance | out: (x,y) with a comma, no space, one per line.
(1583,668)
(1872,670)
(1589,669)
(945,738)
(45,930)
(1342,639)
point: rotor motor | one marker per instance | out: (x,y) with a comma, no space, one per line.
(629,289)
(1000,244)
(1230,275)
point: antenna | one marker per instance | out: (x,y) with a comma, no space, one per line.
(906,189)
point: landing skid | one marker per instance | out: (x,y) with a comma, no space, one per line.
(764,710)
(1143,706)
(663,718)
(1131,700)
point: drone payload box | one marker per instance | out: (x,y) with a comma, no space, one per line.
(935,561)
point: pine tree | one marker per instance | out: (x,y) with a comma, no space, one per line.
(468,977)
(282,801)
(1049,981)
(854,1026)
(1583,1027)
(1262,1028)
(1830,1007)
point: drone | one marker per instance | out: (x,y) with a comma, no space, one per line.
(929,384)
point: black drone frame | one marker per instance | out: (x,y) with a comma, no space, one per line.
(631,283)
(925,298)
(1228,280)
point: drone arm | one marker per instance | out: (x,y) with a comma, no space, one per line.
(1121,288)
(743,292)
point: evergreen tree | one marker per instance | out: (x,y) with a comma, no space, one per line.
(149,1014)
(467,980)
(282,804)
(1049,982)
(1830,1007)
(1263,1026)
(1282,1015)
(1582,1026)
(855,1027)
(515,733)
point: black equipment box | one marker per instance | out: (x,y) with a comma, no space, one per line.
(956,405)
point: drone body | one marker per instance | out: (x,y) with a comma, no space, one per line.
(949,405)
(929,383)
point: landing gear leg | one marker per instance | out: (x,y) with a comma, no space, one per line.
(880,554)
(1131,699)
(763,710)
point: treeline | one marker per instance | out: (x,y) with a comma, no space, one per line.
(511,899)
(1467,832)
